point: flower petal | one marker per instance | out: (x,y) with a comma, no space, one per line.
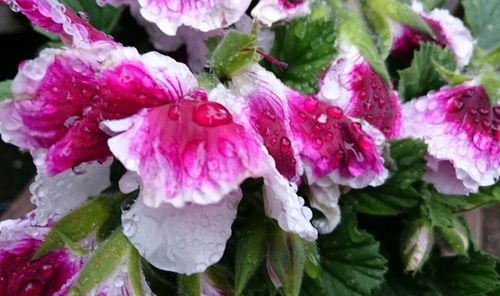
(56,195)
(459,126)
(191,151)
(271,11)
(186,240)
(265,106)
(352,84)
(204,16)
(325,197)
(59,19)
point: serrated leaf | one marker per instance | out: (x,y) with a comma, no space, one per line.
(487,196)
(396,195)
(401,13)
(286,253)
(5,92)
(102,264)
(188,285)
(421,76)
(351,262)
(482,18)
(398,284)
(307,46)
(438,213)
(250,254)
(103,18)
(135,273)
(459,275)
(233,53)
(96,216)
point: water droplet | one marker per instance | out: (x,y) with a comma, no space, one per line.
(328,137)
(481,164)
(310,104)
(318,143)
(421,105)
(211,114)
(472,111)
(322,118)
(13,6)
(129,229)
(335,112)
(455,105)
(481,141)
(193,158)
(84,16)
(286,146)
(173,112)
(226,147)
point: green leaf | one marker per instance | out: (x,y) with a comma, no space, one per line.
(286,253)
(96,216)
(307,46)
(456,237)
(421,76)
(453,78)
(400,13)
(354,31)
(491,83)
(233,53)
(398,284)
(459,275)
(250,253)
(351,262)
(313,267)
(491,58)
(396,195)
(222,278)
(188,285)
(382,29)
(5,92)
(102,264)
(487,196)
(482,17)
(135,273)
(103,18)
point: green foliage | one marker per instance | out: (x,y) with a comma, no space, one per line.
(5,92)
(233,53)
(307,46)
(135,273)
(104,261)
(482,18)
(350,260)
(188,285)
(103,18)
(396,195)
(491,83)
(382,29)
(422,76)
(99,216)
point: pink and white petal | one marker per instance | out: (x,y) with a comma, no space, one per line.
(204,16)
(266,109)
(271,11)
(442,174)
(283,204)
(190,151)
(55,196)
(449,31)
(186,240)
(351,84)
(330,143)
(53,273)
(59,19)
(325,197)
(208,287)
(194,40)
(460,126)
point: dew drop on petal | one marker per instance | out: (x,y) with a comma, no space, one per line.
(211,114)
(481,141)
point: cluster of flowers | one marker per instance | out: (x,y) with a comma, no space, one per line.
(187,149)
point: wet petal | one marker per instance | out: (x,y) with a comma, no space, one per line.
(460,127)
(191,151)
(186,240)
(59,19)
(55,196)
(352,84)
(204,16)
(325,198)
(271,11)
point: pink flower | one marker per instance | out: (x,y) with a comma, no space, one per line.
(272,11)
(448,30)
(52,274)
(460,128)
(57,18)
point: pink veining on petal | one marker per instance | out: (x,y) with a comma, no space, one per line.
(374,101)
(459,126)
(329,140)
(57,18)
(190,151)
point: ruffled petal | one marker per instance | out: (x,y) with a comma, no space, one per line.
(52,274)
(208,287)
(271,11)
(55,196)
(204,16)
(59,19)
(191,151)
(352,84)
(332,144)
(460,128)
(265,106)
(449,31)
(325,197)
(186,240)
